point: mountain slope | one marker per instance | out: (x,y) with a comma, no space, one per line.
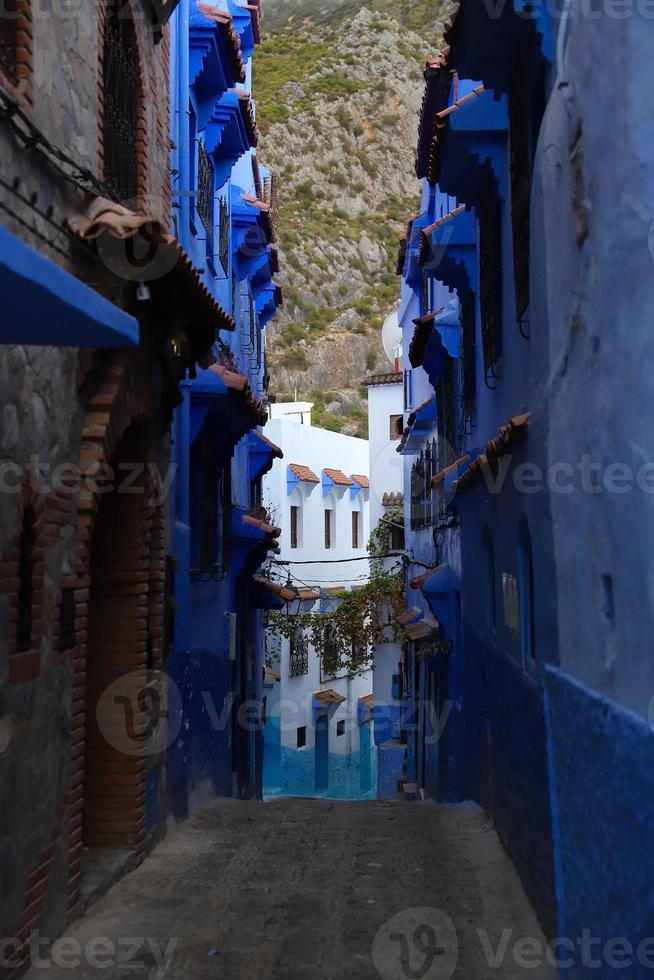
(337,102)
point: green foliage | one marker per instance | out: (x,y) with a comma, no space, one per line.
(345,635)
(294,358)
(371,360)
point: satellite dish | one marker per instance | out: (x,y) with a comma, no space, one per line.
(392,338)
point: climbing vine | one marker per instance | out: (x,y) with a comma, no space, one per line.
(346,628)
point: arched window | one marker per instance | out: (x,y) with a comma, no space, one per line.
(25,581)
(526,593)
(121,90)
(489,584)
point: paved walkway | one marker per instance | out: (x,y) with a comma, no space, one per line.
(309,890)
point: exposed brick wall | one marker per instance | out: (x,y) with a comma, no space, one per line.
(21,86)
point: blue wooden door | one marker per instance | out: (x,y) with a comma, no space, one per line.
(322,753)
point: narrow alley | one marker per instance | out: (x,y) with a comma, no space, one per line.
(308,889)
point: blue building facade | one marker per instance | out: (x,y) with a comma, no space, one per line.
(481,619)
(525,684)
(223,212)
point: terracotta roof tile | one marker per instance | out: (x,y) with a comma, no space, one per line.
(303,473)
(338,477)
(420,631)
(272,673)
(255,12)
(329,697)
(419,580)
(104,217)
(438,83)
(271,445)
(461,102)
(309,595)
(409,616)
(363,481)
(440,476)
(230,38)
(368,700)
(335,590)
(494,449)
(227,370)
(274,532)
(390,378)
(247,112)
(276,587)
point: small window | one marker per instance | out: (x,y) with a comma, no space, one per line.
(408,389)
(25,581)
(355,529)
(340,727)
(329,528)
(302,737)
(295,523)
(396,426)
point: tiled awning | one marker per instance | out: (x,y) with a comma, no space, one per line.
(438,82)
(494,449)
(288,595)
(229,36)
(175,286)
(363,481)
(308,595)
(368,701)
(329,697)
(389,378)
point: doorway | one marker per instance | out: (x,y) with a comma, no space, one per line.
(322,753)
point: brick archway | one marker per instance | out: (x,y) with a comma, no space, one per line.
(118,583)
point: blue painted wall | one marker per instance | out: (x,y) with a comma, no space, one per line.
(344,781)
(219,747)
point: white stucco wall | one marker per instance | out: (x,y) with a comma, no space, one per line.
(317,448)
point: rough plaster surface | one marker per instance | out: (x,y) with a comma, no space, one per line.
(299,888)
(604,817)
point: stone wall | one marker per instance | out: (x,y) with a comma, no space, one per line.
(63,407)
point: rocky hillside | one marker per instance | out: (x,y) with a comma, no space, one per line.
(338,88)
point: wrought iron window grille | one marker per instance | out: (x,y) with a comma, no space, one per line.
(223,235)
(299,654)
(121,85)
(205,191)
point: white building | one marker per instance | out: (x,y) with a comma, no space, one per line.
(318,734)
(386,406)
(385,426)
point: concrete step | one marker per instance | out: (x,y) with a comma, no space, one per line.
(410,792)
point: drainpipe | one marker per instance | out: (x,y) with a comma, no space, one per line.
(182,99)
